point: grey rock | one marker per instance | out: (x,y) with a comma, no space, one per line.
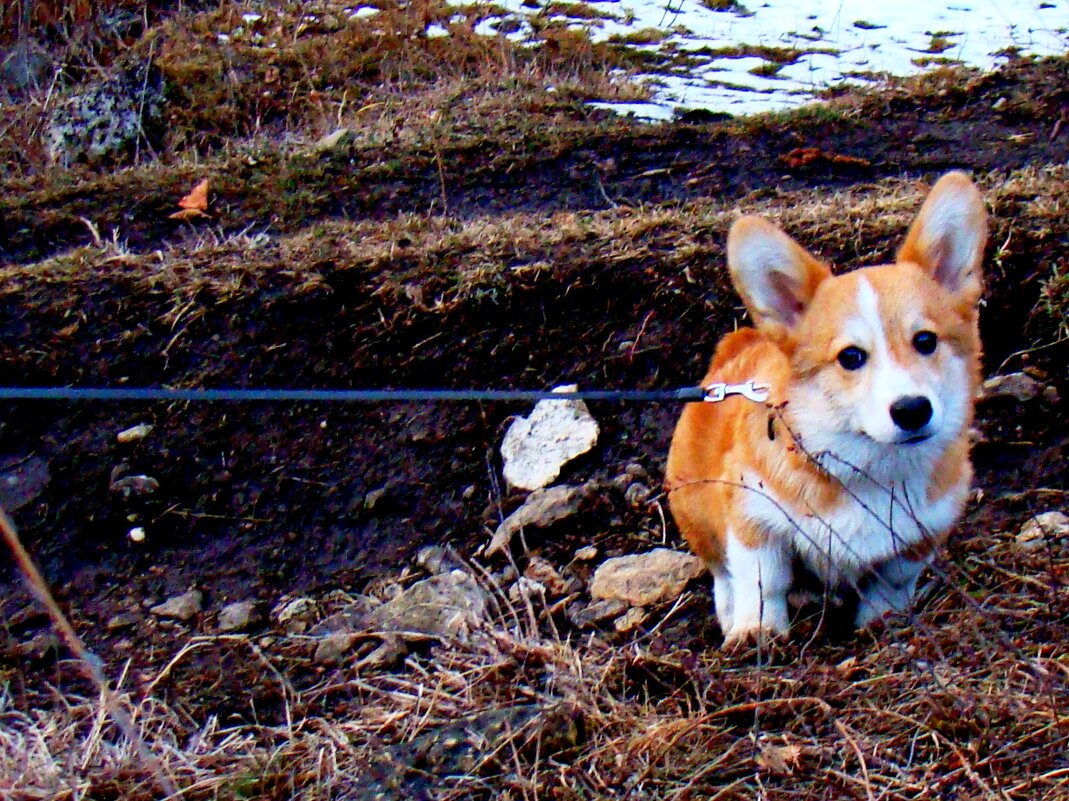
(412,769)
(388,654)
(110,118)
(22,481)
(297,616)
(449,606)
(333,648)
(39,646)
(633,472)
(637,494)
(1019,386)
(587,615)
(134,486)
(24,66)
(123,620)
(238,616)
(182,607)
(437,559)
(542,508)
(376,498)
(645,579)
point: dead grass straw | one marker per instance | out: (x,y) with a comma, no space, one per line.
(91,664)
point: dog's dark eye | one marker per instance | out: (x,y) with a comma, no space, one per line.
(852,358)
(925,342)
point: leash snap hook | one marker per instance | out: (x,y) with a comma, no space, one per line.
(718,391)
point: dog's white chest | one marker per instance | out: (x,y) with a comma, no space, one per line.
(870,525)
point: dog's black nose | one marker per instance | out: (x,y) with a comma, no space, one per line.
(911,413)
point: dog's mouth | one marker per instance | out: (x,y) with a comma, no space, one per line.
(915,439)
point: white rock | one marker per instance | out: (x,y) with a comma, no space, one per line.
(646,579)
(136,534)
(1042,531)
(536,447)
(526,588)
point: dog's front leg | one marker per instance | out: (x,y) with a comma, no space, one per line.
(757,580)
(890,589)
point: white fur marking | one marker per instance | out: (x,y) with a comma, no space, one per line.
(891,590)
(758,580)
(890,381)
(865,529)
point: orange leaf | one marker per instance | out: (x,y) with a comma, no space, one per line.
(197,199)
(194,205)
(188,215)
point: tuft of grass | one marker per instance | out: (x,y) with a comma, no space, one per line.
(771,53)
(769,69)
(734,6)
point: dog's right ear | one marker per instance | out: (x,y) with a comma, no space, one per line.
(775,275)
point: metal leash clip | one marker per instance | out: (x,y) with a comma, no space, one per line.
(714,393)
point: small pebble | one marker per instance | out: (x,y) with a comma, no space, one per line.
(134,434)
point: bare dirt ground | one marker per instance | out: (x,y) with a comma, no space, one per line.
(478,230)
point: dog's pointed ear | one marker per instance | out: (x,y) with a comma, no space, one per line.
(775,275)
(947,239)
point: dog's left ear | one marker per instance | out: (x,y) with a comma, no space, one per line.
(947,239)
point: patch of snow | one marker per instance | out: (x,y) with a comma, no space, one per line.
(833,42)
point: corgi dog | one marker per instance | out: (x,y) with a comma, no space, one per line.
(858,463)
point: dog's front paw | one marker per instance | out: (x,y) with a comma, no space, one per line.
(739,640)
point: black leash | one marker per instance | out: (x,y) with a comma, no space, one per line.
(714,393)
(685,395)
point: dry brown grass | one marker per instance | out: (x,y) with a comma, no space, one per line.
(232,84)
(965,700)
(452,260)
